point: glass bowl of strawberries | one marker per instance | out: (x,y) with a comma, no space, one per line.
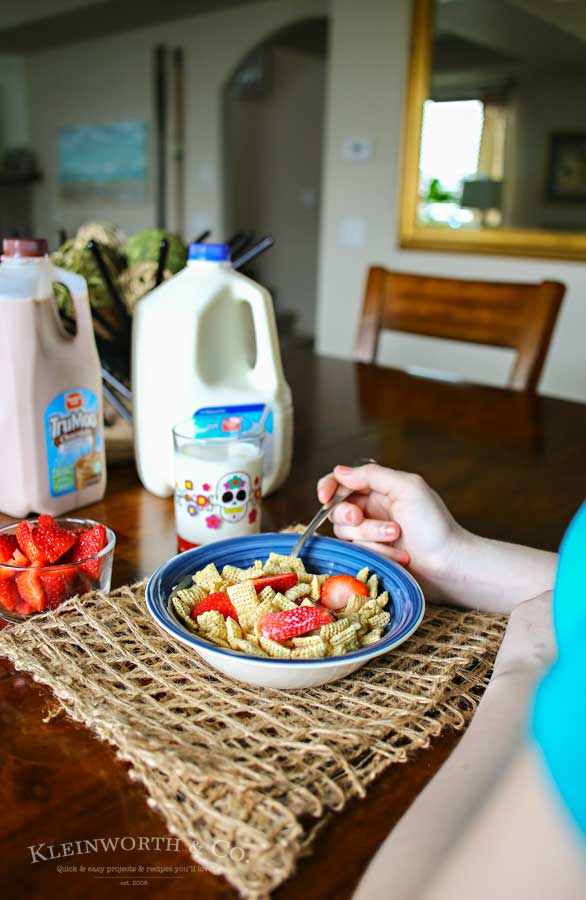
(45,561)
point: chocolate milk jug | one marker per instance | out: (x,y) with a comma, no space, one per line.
(51,423)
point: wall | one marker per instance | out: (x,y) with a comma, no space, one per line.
(368,59)
(273,177)
(14,120)
(111,78)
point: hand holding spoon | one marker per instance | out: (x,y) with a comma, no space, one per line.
(341,494)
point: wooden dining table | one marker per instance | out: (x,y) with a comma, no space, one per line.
(509,465)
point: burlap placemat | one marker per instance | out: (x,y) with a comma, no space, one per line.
(256,768)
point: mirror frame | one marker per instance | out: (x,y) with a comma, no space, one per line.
(507,241)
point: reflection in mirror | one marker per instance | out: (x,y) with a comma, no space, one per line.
(503,137)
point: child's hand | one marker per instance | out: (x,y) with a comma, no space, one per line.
(399,516)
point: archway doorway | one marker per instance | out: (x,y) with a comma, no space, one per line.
(273,137)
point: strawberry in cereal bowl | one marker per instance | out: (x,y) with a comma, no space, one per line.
(258,615)
(45,561)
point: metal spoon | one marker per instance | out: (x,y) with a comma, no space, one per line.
(326,509)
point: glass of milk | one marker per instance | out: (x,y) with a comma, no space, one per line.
(218,484)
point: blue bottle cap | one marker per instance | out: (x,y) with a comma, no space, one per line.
(210,252)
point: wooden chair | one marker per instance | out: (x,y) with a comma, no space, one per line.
(501,314)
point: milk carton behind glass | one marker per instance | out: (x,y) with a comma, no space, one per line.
(205,344)
(51,447)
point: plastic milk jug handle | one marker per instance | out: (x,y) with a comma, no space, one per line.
(83,316)
(268,355)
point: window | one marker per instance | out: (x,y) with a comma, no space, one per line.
(450,147)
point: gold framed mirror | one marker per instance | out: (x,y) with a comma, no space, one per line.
(494,154)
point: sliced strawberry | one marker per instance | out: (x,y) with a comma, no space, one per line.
(8,544)
(25,535)
(279,583)
(218,601)
(89,543)
(58,586)
(280,626)
(53,542)
(9,595)
(17,559)
(31,589)
(45,521)
(337,590)
(23,608)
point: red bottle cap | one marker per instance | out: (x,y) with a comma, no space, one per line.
(24,247)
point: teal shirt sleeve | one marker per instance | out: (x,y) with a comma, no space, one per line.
(558,719)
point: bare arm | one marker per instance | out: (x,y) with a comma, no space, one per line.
(496,576)
(520,845)
(438,819)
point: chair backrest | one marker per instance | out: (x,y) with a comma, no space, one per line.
(500,314)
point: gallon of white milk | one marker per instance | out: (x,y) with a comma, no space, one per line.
(51,452)
(205,346)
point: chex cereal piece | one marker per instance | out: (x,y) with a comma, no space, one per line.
(232,574)
(266,594)
(245,602)
(382,599)
(348,645)
(355,603)
(315,588)
(183,609)
(380,620)
(216,641)
(274,649)
(361,627)
(192,594)
(326,631)
(276,564)
(249,648)
(363,575)
(317,651)
(344,641)
(305,577)
(280,563)
(267,606)
(314,641)
(254,571)
(233,632)
(307,602)
(372,637)
(213,624)
(181,606)
(281,602)
(300,590)
(370,608)
(372,585)
(208,578)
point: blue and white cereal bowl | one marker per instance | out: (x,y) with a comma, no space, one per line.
(320,554)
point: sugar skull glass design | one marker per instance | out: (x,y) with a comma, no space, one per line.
(218,482)
(233,493)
